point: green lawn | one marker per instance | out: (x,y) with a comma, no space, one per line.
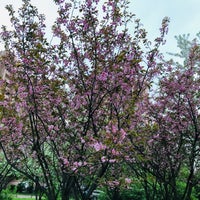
(22,197)
(15,198)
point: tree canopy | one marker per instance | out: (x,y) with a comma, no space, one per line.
(100,107)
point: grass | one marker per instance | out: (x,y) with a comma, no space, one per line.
(15,198)
(22,197)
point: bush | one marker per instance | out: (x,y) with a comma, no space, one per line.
(5,195)
(135,192)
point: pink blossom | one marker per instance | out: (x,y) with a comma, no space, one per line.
(114,183)
(104,8)
(104,159)
(50,128)
(76,165)
(150,141)
(115,153)
(66,162)
(114,128)
(98,146)
(112,160)
(123,134)
(103,76)
(82,140)
(128,180)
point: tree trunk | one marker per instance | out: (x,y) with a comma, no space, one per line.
(116,194)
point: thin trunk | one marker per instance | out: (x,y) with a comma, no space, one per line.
(189,186)
(116,194)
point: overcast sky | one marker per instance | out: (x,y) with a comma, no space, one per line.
(184,16)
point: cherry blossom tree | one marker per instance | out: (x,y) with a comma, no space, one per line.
(31,100)
(172,151)
(120,76)
(70,108)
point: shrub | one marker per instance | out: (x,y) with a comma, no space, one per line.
(5,195)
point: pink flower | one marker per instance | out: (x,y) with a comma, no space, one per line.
(82,140)
(123,134)
(50,127)
(114,152)
(114,129)
(76,165)
(103,76)
(128,180)
(98,146)
(150,141)
(65,162)
(112,160)
(113,184)
(104,8)
(104,159)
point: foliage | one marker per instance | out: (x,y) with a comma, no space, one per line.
(5,195)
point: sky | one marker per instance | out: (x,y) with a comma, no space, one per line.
(184,16)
